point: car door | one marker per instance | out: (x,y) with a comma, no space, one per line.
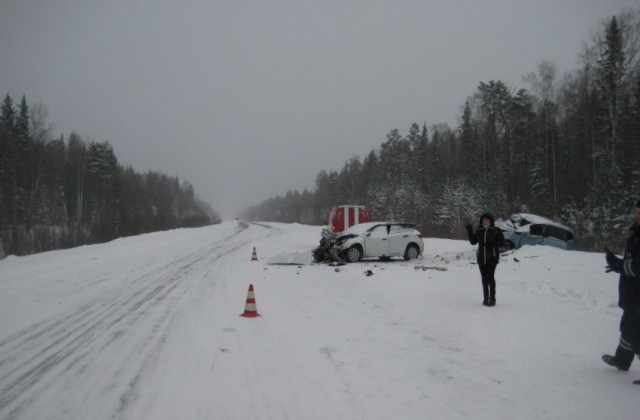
(534,236)
(376,242)
(399,237)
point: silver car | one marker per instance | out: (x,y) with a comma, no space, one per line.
(530,229)
(379,240)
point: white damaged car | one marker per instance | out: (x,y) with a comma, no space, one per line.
(379,240)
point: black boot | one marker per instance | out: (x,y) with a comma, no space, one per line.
(492,297)
(622,359)
(610,360)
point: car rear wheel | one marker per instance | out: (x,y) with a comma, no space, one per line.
(411,253)
(354,254)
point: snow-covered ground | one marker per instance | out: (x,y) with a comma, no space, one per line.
(148,327)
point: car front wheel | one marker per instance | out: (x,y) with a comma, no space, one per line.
(411,253)
(354,254)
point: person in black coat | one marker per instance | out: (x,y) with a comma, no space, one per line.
(628,298)
(489,239)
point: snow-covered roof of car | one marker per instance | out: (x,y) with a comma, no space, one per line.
(363,227)
(515,222)
(532,218)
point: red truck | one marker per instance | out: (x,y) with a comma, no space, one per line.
(343,217)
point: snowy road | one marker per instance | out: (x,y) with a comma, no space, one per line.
(149,328)
(90,343)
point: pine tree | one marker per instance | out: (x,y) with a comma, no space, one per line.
(76,170)
(101,200)
(8,113)
(22,120)
(467,139)
(611,75)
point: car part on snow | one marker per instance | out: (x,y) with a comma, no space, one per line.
(425,268)
(291,258)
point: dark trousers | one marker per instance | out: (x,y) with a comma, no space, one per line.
(487,271)
(629,338)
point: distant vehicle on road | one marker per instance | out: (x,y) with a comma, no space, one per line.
(530,229)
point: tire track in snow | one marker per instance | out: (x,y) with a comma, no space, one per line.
(74,333)
(66,346)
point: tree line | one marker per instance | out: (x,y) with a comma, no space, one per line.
(59,194)
(567,147)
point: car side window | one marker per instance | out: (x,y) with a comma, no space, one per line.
(536,230)
(558,233)
(396,229)
(379,231)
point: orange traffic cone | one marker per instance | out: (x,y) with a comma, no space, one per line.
(250,310)
(254,256)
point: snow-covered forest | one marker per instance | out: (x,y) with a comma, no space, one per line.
(567,146)
(59,194)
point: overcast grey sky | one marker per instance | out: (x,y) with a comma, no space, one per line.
(248,99)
